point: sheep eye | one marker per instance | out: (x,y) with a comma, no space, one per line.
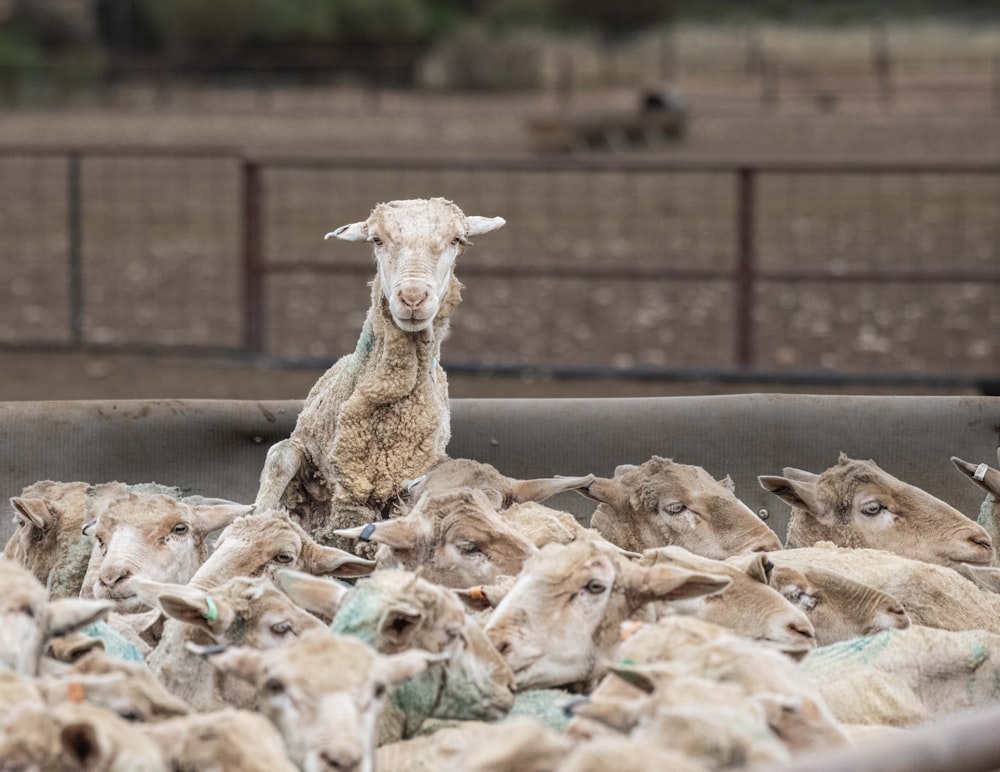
(675,508)
(18,522)
(595,587)
(457,240)
(376,241)
(871,508)
(283,557)
(281,628)
(274,686)
(379,690)
(180,528)
(130,715)
(469,548)
(27,610)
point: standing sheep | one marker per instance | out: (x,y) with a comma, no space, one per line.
(379,416)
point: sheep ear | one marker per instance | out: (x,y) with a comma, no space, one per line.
(664,582)
(407,664)
(607,490)
(213,517)
(357,231)
(320,560)
(399,623)
(545,487)
(486,596)
(66,615)
(79,741)
(314,594)
(801,495)
(243,662)
(69,648)
(401,533)
(727,482)
(800,474)
(636,677)
(759,567)
(613,712)
(149,591)
(480,225)
(983,475)
(35,511)
(198,608)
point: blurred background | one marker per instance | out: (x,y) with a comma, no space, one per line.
(710,197)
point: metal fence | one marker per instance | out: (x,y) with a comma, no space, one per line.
(608,265)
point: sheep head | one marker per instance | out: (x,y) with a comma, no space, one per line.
(416,244)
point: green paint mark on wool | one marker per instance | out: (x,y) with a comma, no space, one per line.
(366,342)
(115,644)
(544,705)
(358,617)
(860,650)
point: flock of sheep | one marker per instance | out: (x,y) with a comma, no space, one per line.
(383,606)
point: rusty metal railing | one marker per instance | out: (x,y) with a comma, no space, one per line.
(744,271)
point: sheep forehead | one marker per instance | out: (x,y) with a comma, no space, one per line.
(61,497)
(465,507)
(848,480)
(465,473)
(246,593)
(658,479)
(482,528)
(319,661)
(416,220)
(20,586)
(564,564)
(679,556)
(398,584)
(144,508)
(261,529)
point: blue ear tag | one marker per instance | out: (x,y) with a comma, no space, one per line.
(213,611)
(366,532)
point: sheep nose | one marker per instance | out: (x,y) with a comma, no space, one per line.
(502,645)
(981,541)
(113,575)
(412,297)
(899,616)
(766,544)
(801,630)
(343,761)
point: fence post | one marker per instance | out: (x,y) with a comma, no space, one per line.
(74,249)
(996,83)
(745,270)
(882,64)
(253,279)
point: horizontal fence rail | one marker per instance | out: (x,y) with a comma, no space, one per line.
(609,266)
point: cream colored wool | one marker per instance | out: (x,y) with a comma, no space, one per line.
(904,677)
(379,416)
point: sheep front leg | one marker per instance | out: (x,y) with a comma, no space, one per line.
(281,465)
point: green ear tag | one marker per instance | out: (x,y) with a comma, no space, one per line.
(213,612)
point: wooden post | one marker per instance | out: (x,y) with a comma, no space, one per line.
(253,268)
(745,269)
